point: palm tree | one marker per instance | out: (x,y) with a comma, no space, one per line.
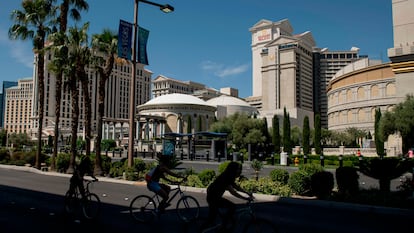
(78,56)
(106,46)
(35,22)
(78,5)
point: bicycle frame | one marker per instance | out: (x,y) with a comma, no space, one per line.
(175,192)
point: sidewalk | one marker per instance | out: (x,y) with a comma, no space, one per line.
(295,200)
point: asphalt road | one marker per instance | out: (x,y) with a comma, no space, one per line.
(32,201)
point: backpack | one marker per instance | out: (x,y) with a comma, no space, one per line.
(148,176)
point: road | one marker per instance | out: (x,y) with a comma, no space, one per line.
(32,201)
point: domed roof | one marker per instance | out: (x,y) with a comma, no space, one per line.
(176,98)
(225,100)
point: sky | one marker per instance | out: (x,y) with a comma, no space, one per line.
(208,41)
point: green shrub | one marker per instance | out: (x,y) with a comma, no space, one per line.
(222,166)
(265,186)
(206,176)
(194,181)
(131,174)
(4,156)
(117,169)
(322,184)
(62,162)
(347,181)
(279,175)
(300,182)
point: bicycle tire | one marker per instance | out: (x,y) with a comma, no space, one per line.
(142,208)
(260,225)
(70,202)
(188,208)
(91,206)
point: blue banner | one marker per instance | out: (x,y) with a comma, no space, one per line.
(124,39)
(142,45)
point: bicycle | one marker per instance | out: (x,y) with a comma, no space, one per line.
(90,205)
(144,208)
(244,220)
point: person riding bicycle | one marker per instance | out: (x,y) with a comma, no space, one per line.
(225,181)
(76,181)
(155,174)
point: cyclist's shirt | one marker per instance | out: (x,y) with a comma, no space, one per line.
(154,174)
(219,186)
(153,178)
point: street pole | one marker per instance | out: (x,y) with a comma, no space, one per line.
(132,86)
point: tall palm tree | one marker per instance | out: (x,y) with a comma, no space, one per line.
(106,46)
(78,56)
(65,10)
(35,22)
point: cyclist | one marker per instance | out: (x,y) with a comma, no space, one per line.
(155,174)
(225,181)
(76,181)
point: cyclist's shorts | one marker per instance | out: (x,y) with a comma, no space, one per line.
(154,186)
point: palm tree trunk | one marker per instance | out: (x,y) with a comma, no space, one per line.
(41,84)
(75,118)
(58,98)
(87,109)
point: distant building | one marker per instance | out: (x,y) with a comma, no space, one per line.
(282,69)
(18,104)
(6,84)
(325,65)
(229,105)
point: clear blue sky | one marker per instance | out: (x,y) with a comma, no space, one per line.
(208,41)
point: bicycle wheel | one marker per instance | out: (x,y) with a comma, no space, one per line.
(188,208)
(142,208)
(91,206)
(260,225)
(70,202)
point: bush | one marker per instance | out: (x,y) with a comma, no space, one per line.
(279,175)
(347,181)
(62,162)
(265,186)
(117,169)
(4,156)
(322,184)
(222,166)
(300,182)
(206,176)
(194,181)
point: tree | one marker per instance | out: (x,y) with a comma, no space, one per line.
(276,134)
(241,129)
(379,143)
(78,52)
(306,136)
(60,59)
(105,44)
(35,22)
(287,147)
(400,120)
(318,133)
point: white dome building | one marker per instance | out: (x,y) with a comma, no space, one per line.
(172,113)
(229,105)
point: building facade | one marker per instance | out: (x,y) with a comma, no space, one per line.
(325,65)
(6,84)
(18,107)
(117,90)
(282,71)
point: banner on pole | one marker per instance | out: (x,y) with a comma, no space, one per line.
(142,45)
(124,39)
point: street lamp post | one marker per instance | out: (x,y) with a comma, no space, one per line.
(166,9)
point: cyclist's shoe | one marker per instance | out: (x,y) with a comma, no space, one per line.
(162,207)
